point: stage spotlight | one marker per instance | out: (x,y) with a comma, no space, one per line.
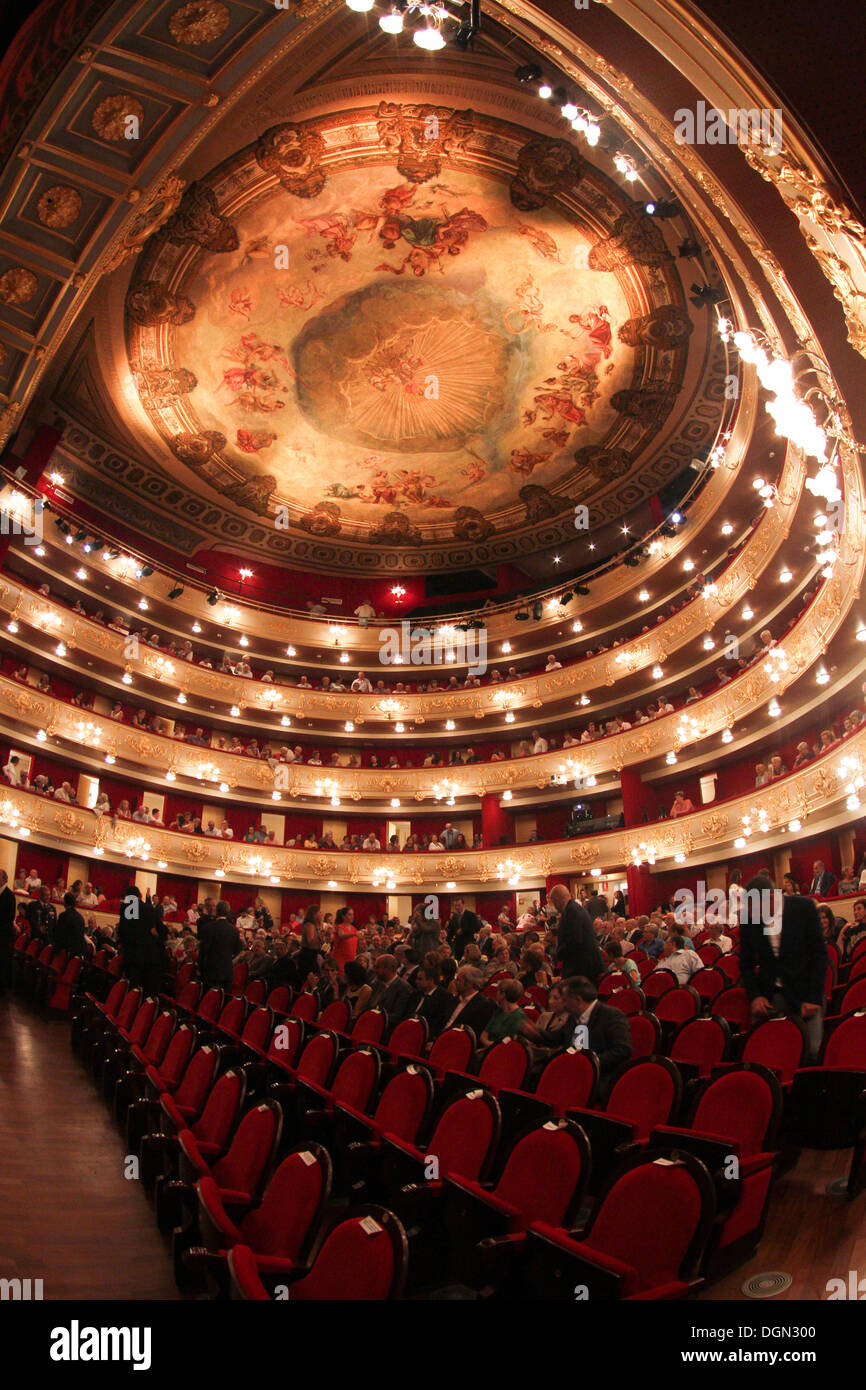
(176,591)
(113,553)
(582,589)
(667,530)
(522,615)
(62,526)
(704,296)
(566,597)
(213,597)
(632,561)
(79,537)
(688,248)
(537,610)
(667,207)
(145,572)
(529,72)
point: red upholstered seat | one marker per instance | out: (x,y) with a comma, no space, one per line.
(628,1000)
(645,1034)
(735,1007)
(709,982)
(657,983)
(700,1043)
(63,987)
(408,1039)
(335,1016)
(569,1079)
(451,1051)
(678,1005)
(777,1043)
(305,1007)
(369,1026)
(290,1210)
(240,1171)
(359,1257)
(279,999)
(214,1110)
(463,1141)
(167,1076)
(645,1240)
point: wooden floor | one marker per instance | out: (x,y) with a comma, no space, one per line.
(67,1214)
(69,1217)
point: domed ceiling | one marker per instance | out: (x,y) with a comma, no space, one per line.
(399,329)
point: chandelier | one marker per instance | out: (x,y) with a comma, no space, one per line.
(434,23)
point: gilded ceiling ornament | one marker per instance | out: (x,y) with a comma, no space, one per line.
(150,303)
(200,22)
(545,169)
(59,207)
(158,209)
(17,286)
(293,153)
(421,135)
(199,220)
(665,328)
(111,119)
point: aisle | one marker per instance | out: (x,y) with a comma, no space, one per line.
(67,1214)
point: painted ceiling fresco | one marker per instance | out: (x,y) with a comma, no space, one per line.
(405,344)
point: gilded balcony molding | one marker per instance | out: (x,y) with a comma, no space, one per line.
(817,792)
(484,702)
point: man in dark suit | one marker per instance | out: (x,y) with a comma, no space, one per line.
(69,931)
(7,930)
(596,906)
(823,881)
(219,942)
(590,1027)
(41,915)
(128,934)
(577,949)
(435,1003)
(390,992)
(783,961)
(471,1008)
(463,927)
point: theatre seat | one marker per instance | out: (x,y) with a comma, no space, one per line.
(647,1093)
(645,1239)
(735,1117)
(570,1079)
(543,1179)
(699,1045)
(211,1128)
(359,1256)
(278,1230)
(145,1089)
(63,986)
(239,1174)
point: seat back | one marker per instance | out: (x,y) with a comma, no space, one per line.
(279,999)
(649,1218)
(777,1043)
(854,997)
(657,983)
(709,953)
(336,1016)
(542,1174)
(317,1059)
(159,1037)
(645,1034)
(45,954)
(629,1000)
(362,1258)
(184,975)
(466,1135)
(405,1104)
(846,1045)
(255,992)
(452,1050)
(188,995)
(678,1005)
(176,1056)
(702,1042)
(231,1015)
(744,1105)
(646,1094)
(729,966)
(505,1065)
(709,982)
(70,974)
(369,1026)
(408,1038)
(292,1206)
(217,1119)
(734,1006)
(251,1152)
(128,1009)
(141,1024)
(257,1028)
(356,1080)
(305,1007)
(209,1008)
(239,977)
(197,1079)
(285,1043)
(116,996)
(568,1081)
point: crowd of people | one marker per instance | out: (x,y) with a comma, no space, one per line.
(502,978)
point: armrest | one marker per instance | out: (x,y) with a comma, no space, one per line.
(559,1265)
